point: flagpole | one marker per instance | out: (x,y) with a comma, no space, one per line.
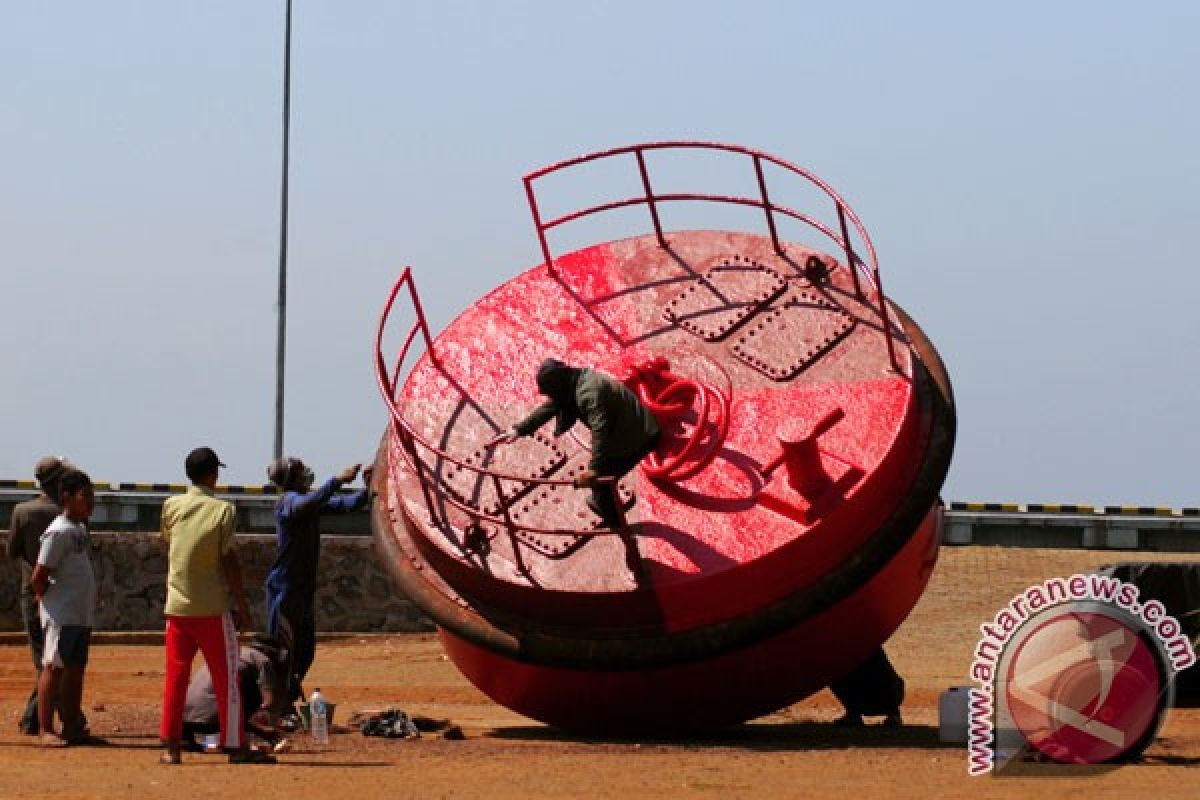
(281,333)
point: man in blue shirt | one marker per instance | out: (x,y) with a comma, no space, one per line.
(292,580)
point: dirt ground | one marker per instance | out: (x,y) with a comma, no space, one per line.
(792,753)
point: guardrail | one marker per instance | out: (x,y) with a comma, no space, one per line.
(1038,525)
(1074,508)
(1071,526)
(841,238)
(109,486)
(410,445)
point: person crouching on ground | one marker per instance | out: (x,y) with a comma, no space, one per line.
(291,583)
(199,532)
(623,430)
(65,586)
(262,683)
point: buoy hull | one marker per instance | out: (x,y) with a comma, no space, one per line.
(722,690)
(744,607)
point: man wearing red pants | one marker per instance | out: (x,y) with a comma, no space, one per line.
(198,529)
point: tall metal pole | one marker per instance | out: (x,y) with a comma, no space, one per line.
(281,333)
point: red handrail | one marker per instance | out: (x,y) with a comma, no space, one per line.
(870,267)
(406,441)
(402,434)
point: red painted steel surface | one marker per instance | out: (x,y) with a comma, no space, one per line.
(784,529)
(725,689)
(708,536)
(848,221)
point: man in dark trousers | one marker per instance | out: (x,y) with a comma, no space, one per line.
(872,689)
(291,584)
(623,429)
(29,521)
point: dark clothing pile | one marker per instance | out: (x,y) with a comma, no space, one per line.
(391,724)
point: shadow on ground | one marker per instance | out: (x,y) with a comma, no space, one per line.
(151,742)
(785,736)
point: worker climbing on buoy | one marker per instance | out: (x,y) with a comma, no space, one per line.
(624,431)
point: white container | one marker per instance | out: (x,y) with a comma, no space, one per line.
(952,714)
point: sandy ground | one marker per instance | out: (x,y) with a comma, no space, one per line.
(792,753)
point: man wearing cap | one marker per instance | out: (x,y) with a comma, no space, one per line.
(29,521)
(291,583)
(203,570)
(623,429)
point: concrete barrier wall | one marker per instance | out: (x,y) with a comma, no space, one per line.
(356,595)
(354,591)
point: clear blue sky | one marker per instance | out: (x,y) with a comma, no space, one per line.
(1028,171)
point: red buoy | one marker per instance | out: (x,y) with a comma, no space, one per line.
(784,528)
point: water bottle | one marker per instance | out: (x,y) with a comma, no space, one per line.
(319,719)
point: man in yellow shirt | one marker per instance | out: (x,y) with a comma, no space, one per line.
(203,570)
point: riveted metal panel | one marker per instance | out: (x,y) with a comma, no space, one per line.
(784,341)
(536,456)
(724,297)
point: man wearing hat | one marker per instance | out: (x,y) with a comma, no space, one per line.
(29,521)
(291,584)
(623,429)
(202,572)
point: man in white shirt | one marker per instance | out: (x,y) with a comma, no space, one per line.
(65,586)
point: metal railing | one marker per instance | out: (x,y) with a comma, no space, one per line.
(417,453)
(410,445)
(869,269)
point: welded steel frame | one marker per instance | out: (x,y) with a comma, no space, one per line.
(410,444)
(845,214)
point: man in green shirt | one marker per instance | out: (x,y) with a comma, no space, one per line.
(623,429)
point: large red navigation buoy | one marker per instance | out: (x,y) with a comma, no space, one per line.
(787,523)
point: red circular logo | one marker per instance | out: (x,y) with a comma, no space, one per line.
(1084,688)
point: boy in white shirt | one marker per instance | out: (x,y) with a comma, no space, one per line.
(65,586)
